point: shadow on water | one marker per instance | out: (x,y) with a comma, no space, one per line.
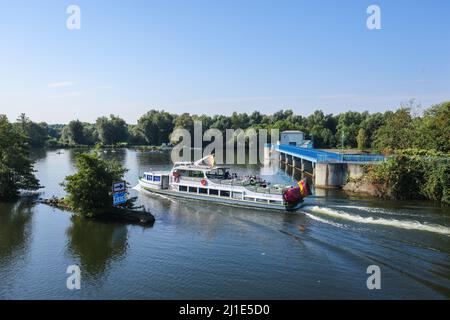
(15,229)
(95,254)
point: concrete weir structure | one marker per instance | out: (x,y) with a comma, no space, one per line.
(328,169)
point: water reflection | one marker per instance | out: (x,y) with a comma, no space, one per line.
(95,254)
(211,220)
(15,229)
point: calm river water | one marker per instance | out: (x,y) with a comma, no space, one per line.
(200,251)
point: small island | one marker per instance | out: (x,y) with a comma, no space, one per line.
(89,193)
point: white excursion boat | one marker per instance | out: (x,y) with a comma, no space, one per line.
(202,180)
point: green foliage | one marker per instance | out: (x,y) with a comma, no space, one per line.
(111,131)
(89,189)
(398,131)
(348,127)
(433,131)
(16,168)
(321,128)
(135,136)
(156,127)
(371,124)
(437,185)
(79,133)
(414,174)
(36,133)
(361,139)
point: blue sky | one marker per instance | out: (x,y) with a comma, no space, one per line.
(216,57)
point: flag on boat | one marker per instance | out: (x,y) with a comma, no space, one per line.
(304,188)
(208,160)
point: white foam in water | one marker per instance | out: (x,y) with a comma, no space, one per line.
(311,216)
(368,209)
(379,210)
(404,224)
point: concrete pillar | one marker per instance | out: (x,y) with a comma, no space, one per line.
(320,175)
(355,170)
(330,175)
(337,174)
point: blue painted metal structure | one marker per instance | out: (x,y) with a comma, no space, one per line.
(315,155)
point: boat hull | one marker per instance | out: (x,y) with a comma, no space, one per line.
(217,199)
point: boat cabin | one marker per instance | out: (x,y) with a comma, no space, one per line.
(157,179)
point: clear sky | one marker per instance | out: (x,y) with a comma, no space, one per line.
(219,56)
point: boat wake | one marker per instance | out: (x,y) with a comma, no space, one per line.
(403,224)
(322,220)
(380,211)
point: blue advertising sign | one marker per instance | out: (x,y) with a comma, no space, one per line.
(119,198)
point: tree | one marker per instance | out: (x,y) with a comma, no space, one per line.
(184,121)
(348,126)
(433,130)
(89,189)
(221,122)
(361,139)
(16,168)
(36,133)
(73,133)
(398,132)
(239,121)
(371,124)
(255,118)
(135,136)
(111,131)
(156,127)
(322,128)
(78,133)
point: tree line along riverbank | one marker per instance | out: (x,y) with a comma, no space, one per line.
(404,128)
(418,145)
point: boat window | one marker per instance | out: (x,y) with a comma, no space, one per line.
(149,177)
(219,173)
(237,195)
(183,188)
(183,173)
(193,189)
(196,174)
(157,178)
(249,198)
(261,200)
(224,193)
(213,192)
(203,190)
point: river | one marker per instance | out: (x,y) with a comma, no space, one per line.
(200,251)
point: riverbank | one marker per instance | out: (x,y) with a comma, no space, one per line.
(121,215)
(408,175)
(366,188)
